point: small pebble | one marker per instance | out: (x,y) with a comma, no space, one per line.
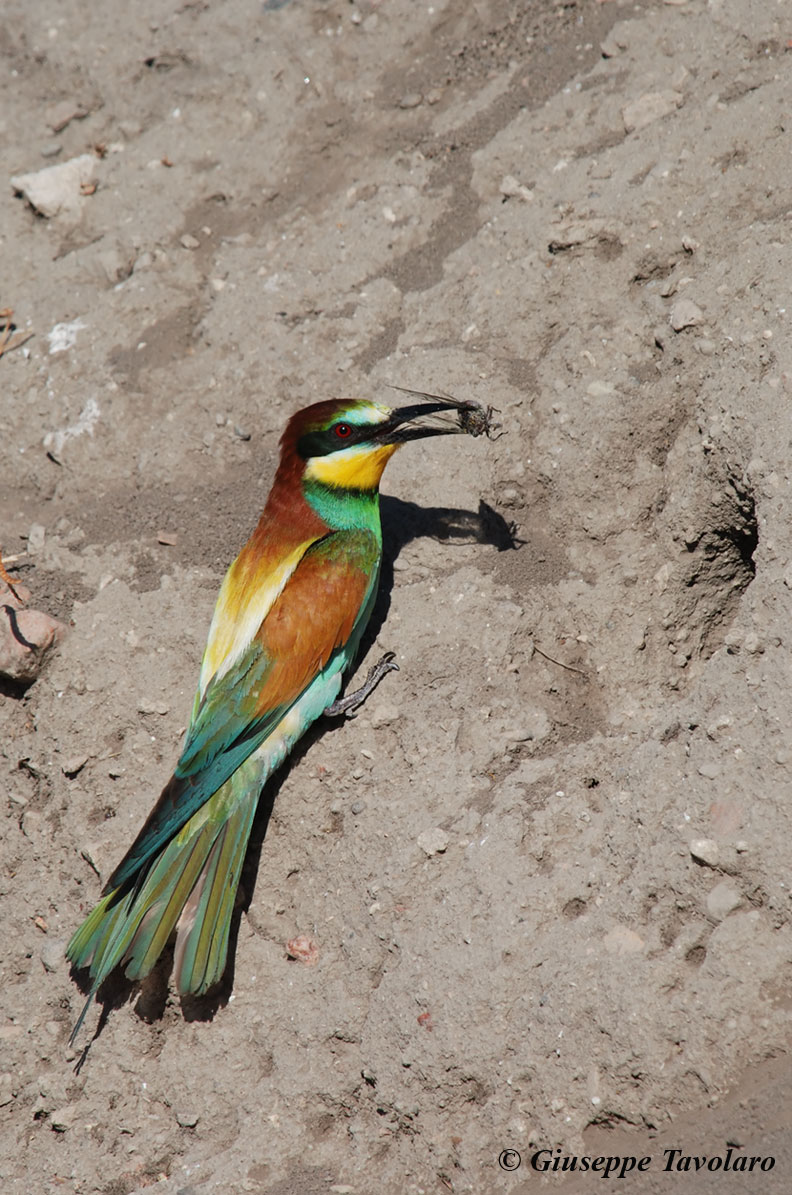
(600,389)
(512,188)
(63,1118)
(303,949)
(705,850)
(434,842)
(36,536)
(62,114)
(74,764)
(189,242)
(358,807)
(709,770)
(146,705)
(721,723)
(413,100)
(19,661)
(610,47)
(52,954)
(187,1120)
(685,314)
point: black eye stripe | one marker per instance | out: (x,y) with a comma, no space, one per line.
(322,443)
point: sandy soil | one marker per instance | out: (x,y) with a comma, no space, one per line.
(581,213)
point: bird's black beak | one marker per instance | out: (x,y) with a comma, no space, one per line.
(408,423)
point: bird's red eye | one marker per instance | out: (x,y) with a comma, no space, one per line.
(343,431)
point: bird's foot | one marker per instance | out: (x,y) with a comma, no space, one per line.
(353,701)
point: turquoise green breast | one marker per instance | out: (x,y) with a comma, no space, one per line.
(343,509)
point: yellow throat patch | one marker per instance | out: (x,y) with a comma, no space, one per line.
(355,468)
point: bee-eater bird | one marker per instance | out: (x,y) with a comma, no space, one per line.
(287,624)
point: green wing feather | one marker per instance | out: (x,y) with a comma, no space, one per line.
(230,723)
(224,733)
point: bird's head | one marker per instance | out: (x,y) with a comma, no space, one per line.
(346,444)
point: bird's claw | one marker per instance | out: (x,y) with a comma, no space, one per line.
(353,701)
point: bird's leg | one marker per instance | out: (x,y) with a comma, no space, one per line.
(352,701)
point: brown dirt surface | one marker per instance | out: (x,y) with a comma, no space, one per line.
(546,871)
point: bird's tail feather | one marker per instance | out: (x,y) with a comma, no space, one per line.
(190,887)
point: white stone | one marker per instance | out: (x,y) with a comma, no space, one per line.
(57,190)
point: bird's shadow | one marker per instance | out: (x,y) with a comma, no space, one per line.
(402,522)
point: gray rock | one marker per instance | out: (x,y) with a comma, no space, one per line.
(705,850)
(685,314)
(52,954)
(722,900)
(62,1119)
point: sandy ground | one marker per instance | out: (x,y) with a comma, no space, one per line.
(547,868)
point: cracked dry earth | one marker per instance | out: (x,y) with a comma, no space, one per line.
(546,869)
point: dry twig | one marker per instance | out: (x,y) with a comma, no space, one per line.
(8,341)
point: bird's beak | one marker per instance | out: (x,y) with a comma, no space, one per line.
(406,423)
